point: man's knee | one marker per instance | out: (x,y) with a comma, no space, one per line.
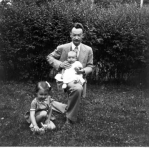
(74,87)
(79,88)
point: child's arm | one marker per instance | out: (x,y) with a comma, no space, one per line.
(50,109)
(33,120)
(78,66)
(80,69)
(49,114)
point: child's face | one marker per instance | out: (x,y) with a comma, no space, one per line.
(42,95)
(72,57)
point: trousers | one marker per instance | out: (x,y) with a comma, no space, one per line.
(75,91)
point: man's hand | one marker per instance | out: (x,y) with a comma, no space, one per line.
(65,65)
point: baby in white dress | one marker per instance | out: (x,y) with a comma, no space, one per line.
(69,75)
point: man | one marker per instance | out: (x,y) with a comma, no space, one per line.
(58,60)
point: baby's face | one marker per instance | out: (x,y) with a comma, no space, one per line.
(72,57)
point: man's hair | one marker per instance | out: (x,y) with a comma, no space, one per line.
(78,26)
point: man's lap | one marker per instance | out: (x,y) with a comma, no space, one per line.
(74,86)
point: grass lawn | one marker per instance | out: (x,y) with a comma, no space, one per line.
(109,116)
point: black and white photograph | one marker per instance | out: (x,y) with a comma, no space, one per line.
(74,73)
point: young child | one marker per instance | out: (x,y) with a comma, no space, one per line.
(69,75)
(41,109)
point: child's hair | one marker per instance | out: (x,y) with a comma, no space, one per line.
(43,85)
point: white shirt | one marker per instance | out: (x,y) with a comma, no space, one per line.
(73,47)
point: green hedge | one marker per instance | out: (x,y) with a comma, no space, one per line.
(30,30)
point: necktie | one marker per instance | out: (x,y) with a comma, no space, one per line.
(76,50)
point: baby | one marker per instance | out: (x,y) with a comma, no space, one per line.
(70,74)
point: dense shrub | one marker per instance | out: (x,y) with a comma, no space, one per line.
(120,39)
(30,30)
(29,33)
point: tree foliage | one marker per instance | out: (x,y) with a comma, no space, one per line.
(30,30)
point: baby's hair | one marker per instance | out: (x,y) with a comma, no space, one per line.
(43,85)
(72,52)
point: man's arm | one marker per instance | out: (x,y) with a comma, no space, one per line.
(89,64)
(53,58)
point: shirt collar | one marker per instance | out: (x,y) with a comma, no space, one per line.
(73,46)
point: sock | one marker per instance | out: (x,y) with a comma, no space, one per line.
(64,86)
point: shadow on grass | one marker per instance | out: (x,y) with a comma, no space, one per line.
(109,116)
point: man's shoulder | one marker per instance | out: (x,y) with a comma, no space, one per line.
(64,45)
(86,46)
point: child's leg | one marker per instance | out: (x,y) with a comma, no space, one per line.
(64,85)
(41,116)
(50,125)
(81,80)
(58,77)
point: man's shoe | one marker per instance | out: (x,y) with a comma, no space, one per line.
(53,117)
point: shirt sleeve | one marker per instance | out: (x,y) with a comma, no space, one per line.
(53,58)
(33,105)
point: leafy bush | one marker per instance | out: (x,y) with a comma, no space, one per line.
(120,39)
(31,30)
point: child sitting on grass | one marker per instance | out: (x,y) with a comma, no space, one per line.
(39,116)
(70,74)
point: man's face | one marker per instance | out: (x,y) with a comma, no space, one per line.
(76,36)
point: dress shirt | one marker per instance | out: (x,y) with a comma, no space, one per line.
(73,47)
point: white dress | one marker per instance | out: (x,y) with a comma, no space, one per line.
(70,74)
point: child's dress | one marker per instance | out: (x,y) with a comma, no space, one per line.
(38,106)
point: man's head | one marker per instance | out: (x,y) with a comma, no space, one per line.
(72,57)
(77,33)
